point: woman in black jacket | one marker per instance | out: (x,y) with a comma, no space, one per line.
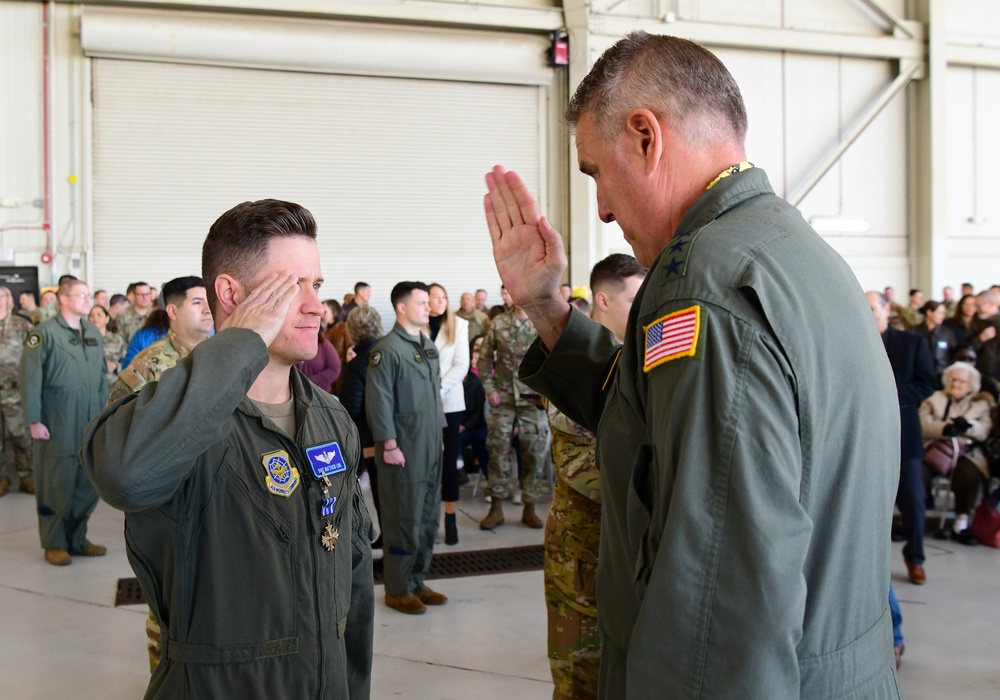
(365,327)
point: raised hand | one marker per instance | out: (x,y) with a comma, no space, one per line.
(264,309)
(529,253)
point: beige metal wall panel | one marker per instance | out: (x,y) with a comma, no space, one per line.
(21,135)
(391,168)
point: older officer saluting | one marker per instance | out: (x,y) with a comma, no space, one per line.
(748,477)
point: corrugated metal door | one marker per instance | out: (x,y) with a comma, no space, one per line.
(392,169)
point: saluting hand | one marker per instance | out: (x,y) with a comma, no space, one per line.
(529,253)
(264,309)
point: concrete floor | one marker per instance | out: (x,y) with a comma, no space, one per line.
(62,636)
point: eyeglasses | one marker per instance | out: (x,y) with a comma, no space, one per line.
(82,295)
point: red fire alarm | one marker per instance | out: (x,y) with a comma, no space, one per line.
(46,258)
(559,49)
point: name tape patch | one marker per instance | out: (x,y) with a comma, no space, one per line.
(326,459)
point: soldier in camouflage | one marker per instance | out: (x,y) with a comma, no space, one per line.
(134,317)
(49,308)
(114,344)
(14,331)
(573,528)
(506,341)
(190,323)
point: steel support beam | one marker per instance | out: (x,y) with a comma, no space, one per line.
(909,72)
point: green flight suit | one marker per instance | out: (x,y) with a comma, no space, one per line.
(63,386)
(403,402)
(225,530)
(748,468)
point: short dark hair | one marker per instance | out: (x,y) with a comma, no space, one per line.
(677,79)
(614,270)
(31,293)
(175,291)
(402,291)
(131,287)
(580,303)
(358,286)
(116,299)
(915,291)
(238,241)
(483,291)
(67,278)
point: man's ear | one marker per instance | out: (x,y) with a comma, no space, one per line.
(645,136)
(171,311)
(229,292)
(601,301)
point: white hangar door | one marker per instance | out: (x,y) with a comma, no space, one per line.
(392,168)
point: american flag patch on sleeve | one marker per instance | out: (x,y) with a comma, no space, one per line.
(671,337)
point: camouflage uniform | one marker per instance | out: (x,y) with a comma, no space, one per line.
(147,367)
(572,535)
(479,322)
(503,347)
(44,313)
(114,350)
(128,322)
(13,332)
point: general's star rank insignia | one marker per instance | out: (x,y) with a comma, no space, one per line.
(282,478)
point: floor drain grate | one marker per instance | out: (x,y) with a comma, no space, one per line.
(503,560)
(480,562)
(129,593)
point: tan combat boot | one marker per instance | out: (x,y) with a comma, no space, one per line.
(4,486)
(529,518)
(27,485)
(495,517)
(57,557)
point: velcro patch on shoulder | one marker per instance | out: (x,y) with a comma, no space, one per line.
(375,359)
(33,340)
(672,337)
(132,379)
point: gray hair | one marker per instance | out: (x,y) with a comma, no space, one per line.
(364,323)
(975,379)
(676,79)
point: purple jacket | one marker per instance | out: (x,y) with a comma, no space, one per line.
(323,369)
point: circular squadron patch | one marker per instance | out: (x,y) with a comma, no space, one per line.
(33,341)
(374,359)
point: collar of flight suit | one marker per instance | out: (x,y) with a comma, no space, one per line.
(725,194)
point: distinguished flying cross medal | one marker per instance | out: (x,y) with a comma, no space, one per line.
(282,478)
(330,537)
(325,460)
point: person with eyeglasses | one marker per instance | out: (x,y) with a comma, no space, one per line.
(63,386)
(134,317)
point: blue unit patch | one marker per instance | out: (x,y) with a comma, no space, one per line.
(326,459)
(282,478)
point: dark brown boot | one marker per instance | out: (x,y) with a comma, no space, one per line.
(430,597)
(495,517)
(409,603)
(529,518)
(4,486)
(27,485)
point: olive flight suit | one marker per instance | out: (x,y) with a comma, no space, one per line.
(403,402)
(147,367)
(258,570)
(748,469)
(63,386)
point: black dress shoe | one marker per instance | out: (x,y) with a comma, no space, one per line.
(965,537)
